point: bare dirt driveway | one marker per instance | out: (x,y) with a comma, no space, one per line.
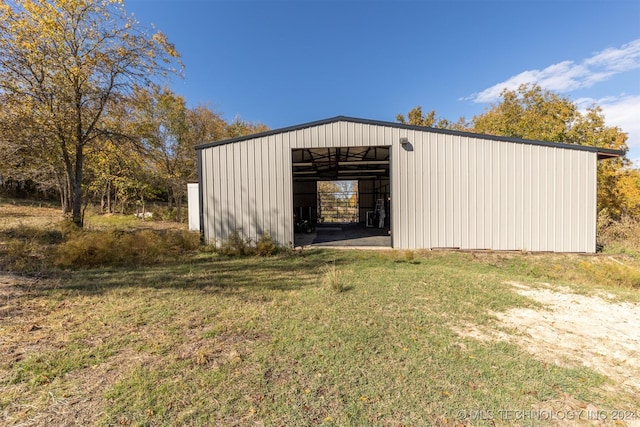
(572,329)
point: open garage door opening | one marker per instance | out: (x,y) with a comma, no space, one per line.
(341,196)
(337,202)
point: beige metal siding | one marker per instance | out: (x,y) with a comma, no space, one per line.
(507,196)
(448,191)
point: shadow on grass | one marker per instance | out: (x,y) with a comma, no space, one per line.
(211,274)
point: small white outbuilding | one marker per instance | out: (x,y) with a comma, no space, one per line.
(193,203)
(440,188)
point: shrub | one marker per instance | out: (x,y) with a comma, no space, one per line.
(236,245)
(121,248)
(265,246)
(25,248)
(618,236)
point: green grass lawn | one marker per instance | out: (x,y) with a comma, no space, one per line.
(269,341)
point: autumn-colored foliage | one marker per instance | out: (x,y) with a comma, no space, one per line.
(64,66)
(83,114)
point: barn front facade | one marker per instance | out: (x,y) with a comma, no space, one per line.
(435,188)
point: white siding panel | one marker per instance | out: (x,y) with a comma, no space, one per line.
(458,176)
(234,189)
(219,180)
(483,224)
(591,187)
(566,203)
(270,182)
(440,191)
(472,237)
(415,138)
(433,192)
(223,202)
(250,201)
(519,222)
(464,200)
(526,198)
(207,196)
(552,194)
(510,196)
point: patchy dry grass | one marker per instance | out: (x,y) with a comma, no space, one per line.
(34,239)
(238,341)
(264,340)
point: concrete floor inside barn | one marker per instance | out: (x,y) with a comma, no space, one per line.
(344,235)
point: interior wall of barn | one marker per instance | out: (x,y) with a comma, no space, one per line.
(369,192)
(305,200)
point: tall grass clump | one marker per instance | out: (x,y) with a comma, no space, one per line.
(123,248)
(26,248)
(237,245)
(333,277)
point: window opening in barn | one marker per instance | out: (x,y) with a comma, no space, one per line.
(338,202)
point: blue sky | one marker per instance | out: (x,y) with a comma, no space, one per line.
(288,62)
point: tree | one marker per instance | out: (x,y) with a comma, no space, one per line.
(20,167)
(204,126)
(64,64)
(616,193)
(240,127)
(417,118)
(529,113)
(161,123)
(168,131)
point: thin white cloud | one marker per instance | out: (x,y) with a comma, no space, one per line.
(622,111)
(566,76)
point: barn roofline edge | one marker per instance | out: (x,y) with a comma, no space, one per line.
(603,153)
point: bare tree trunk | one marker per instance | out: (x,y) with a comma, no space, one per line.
(102,200)
(178,212)
(77,188)
(169,198)
(63,202)
(109,208)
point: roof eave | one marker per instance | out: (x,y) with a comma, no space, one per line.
(603,153)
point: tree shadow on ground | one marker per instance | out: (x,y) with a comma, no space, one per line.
(209,274)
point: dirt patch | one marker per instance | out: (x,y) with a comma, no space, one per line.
(32,216)
(12,289)
(78,397)
(589,330)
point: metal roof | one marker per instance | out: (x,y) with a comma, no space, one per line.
(603,153)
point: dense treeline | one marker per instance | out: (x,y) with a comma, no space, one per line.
(150,159)
(85,117)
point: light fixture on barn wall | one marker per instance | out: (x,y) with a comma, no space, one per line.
(404,142)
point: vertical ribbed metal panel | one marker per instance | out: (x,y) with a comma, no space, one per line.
(448,191)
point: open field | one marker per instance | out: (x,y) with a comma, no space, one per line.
(442,338)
